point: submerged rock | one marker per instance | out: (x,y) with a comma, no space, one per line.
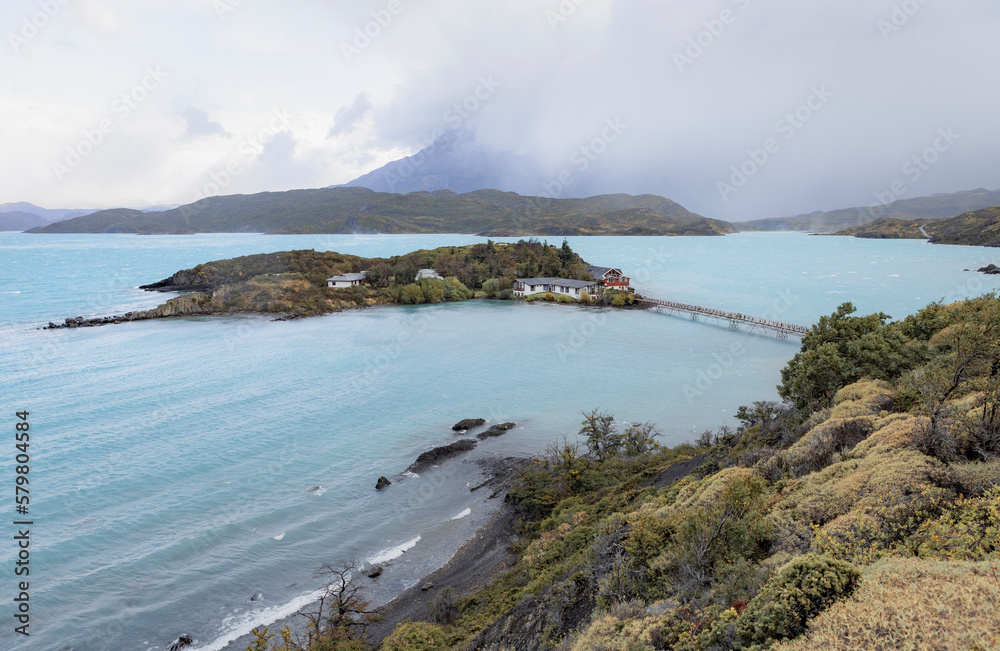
(496,430)
(468,423)
(382,483)
(181,642)
(436,455)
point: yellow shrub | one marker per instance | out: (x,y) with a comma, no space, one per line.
(862,399)
(910,604)
(866,390)
(710,489)
(612,634)
(892,433)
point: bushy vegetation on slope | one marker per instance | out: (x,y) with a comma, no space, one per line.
(863,512)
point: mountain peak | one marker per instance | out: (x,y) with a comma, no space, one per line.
(455,161)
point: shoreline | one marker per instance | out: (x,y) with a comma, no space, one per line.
(477,560)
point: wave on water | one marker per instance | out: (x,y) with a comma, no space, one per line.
(279,536)
(240,624)
(411,475)
(463,514)
(392,553)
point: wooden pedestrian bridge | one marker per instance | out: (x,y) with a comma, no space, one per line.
(735,320)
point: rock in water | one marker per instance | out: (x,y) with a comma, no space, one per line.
(382,483)
(496,430)
(432,457)
(375,572)
(257,596)
(182,641)
(468,423)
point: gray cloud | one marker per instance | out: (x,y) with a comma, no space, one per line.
(702,85)
(349,116)
(198,124)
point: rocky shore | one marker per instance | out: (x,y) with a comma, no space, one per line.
(478,560)
(481,558)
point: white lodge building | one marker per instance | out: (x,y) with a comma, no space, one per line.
(564,286)
(346,280)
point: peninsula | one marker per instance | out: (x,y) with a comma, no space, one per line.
(296,284)
(976,228)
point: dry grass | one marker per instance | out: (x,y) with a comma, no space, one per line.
(909,604)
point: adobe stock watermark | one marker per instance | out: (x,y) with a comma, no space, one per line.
(225,7)
(584,156)
(121,108)
(721,366)
(584,330)
(786,127)
(33,24)
(714,28)
(914,169)
(392,349)
(247,150)
(562,13)
(455,117)
(364,35)
(900,16)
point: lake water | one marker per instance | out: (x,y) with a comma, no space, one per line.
(172,461)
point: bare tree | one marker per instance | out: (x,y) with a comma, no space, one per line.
(342,612)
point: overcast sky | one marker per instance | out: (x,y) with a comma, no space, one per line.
(737,109)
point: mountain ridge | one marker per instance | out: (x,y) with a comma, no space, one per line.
(361,210)
(934,206)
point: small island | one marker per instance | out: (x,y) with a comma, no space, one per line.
(297,284)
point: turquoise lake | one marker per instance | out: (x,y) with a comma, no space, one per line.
(172,460)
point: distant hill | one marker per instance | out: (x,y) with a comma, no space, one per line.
(19,221)
(47,215)
(976,228)
(360,210)
(456,162)
(935,206)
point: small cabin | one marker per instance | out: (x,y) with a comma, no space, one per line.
(609,277)
(346,280)
(565,286)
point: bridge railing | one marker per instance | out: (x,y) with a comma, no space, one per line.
(734,318)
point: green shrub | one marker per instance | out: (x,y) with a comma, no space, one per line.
(454,290)
(433,290)
(506,294)
(416,636)
(799,591)
(412,294)
(492,288)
